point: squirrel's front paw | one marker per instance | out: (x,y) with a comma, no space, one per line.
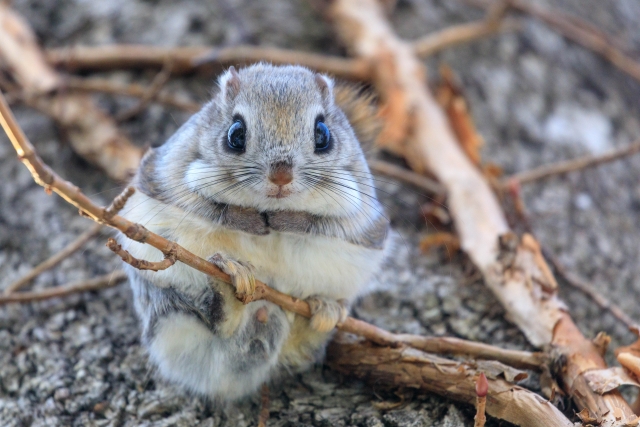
(326,313)
(241,273)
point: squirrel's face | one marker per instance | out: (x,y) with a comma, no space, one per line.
(273,138)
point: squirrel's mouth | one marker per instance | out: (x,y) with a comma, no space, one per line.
(279,192)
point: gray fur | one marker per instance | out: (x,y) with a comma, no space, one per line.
(198,335)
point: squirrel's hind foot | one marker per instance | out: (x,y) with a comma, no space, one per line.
(241,273)
(326,313)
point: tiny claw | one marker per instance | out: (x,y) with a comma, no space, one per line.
(326,313)
(241,273)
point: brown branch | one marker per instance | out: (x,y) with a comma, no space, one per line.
(95,284)
(189,59)
(406,175)
(133,90)
(456,346)
(459,34)
(54,260)
(386,367)
(568,166)
(514,270)
(156,85)
(92,134)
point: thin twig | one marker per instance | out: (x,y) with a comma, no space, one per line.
(54,260)
(406,175)
(101,282)
(591,291)
(449,345)
(561,168)
(133,90)
(188,59)
(459,34)
(577,30)
(118,203)
(152,92)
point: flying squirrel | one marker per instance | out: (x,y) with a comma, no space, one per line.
(268,180)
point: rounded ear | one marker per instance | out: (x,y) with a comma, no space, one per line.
(325,84)
(230,83)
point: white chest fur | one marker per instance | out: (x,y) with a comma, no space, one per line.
(298,265)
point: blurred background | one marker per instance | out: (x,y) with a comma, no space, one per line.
(536,98)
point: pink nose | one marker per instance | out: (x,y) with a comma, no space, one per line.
(281,175)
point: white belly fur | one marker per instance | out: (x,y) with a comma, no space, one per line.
(298,265)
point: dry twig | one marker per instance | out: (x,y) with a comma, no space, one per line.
(561,168)
(189,59)
(101,282)
(582,33)
(459,34)
(577,30)
(405,175)
(54,260)
(591,291)
(141,264)
(515,271)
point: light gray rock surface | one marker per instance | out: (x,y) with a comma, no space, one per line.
(537,98)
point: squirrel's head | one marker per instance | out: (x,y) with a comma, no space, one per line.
(273,138)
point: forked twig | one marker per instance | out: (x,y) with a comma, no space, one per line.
(141,264)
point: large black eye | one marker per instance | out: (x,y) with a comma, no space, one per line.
(236,136)
(323,136)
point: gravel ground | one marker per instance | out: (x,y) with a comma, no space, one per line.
(537,98)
